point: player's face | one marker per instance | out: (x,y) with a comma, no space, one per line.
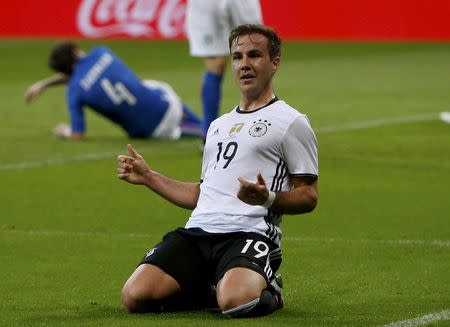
(251,64)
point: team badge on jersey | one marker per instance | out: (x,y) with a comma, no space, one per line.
(235,129)
(259,128)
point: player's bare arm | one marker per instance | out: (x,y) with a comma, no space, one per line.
(135,170)
(301,198)
(40,86)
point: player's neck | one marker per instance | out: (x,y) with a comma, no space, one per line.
(250,104)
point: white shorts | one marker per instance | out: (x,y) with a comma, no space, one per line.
(169,127)
(209,23)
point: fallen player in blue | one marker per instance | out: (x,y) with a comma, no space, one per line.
(101,81)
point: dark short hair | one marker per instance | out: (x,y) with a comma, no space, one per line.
(274,41)
(62,57)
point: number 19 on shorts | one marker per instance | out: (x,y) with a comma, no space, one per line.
(259,247)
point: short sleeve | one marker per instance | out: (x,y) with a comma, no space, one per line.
(299,148)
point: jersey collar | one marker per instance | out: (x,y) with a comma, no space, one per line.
(238,109)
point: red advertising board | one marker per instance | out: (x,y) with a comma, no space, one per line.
(293,19)
(93,18)
(360,19)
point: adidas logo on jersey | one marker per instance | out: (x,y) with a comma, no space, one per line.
(216,132)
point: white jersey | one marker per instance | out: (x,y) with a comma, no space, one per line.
(209,23)
(276,141)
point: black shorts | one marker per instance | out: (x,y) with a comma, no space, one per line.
(197,260)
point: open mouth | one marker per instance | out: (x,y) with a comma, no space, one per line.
(247,77)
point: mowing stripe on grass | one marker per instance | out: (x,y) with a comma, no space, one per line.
(420,321)
(418,243)
(319,130)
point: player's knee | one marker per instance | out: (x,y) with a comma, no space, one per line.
(228,300)
(134,300)
(146,288)
(240,310)
(128,302)
(130,299)
(260,306)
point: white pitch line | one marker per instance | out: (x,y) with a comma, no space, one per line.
(69,159)
(318,130)
(437,243)
(78,234)
(421,321)
(377,123)
(419,243)
(57,161)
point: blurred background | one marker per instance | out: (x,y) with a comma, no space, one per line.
(372,76)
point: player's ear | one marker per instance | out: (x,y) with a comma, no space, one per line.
(275,64)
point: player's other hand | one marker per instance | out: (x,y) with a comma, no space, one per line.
(132,168)
(62,130)
(253,193)
(33,91)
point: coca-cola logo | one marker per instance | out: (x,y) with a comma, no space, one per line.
(135,18)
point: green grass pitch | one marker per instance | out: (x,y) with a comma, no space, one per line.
(376,250)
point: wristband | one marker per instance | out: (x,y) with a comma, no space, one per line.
(270,200)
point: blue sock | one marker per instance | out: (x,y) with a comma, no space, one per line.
(211,95)
(191,124)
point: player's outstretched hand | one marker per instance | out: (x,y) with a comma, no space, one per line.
(33,91)
(62,130)
(253,193)
(132,168)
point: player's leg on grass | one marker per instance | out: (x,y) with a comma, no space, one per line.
(167,281)
(243,292)
(146,288)
(245,274)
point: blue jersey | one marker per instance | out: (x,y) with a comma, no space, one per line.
(103,82)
